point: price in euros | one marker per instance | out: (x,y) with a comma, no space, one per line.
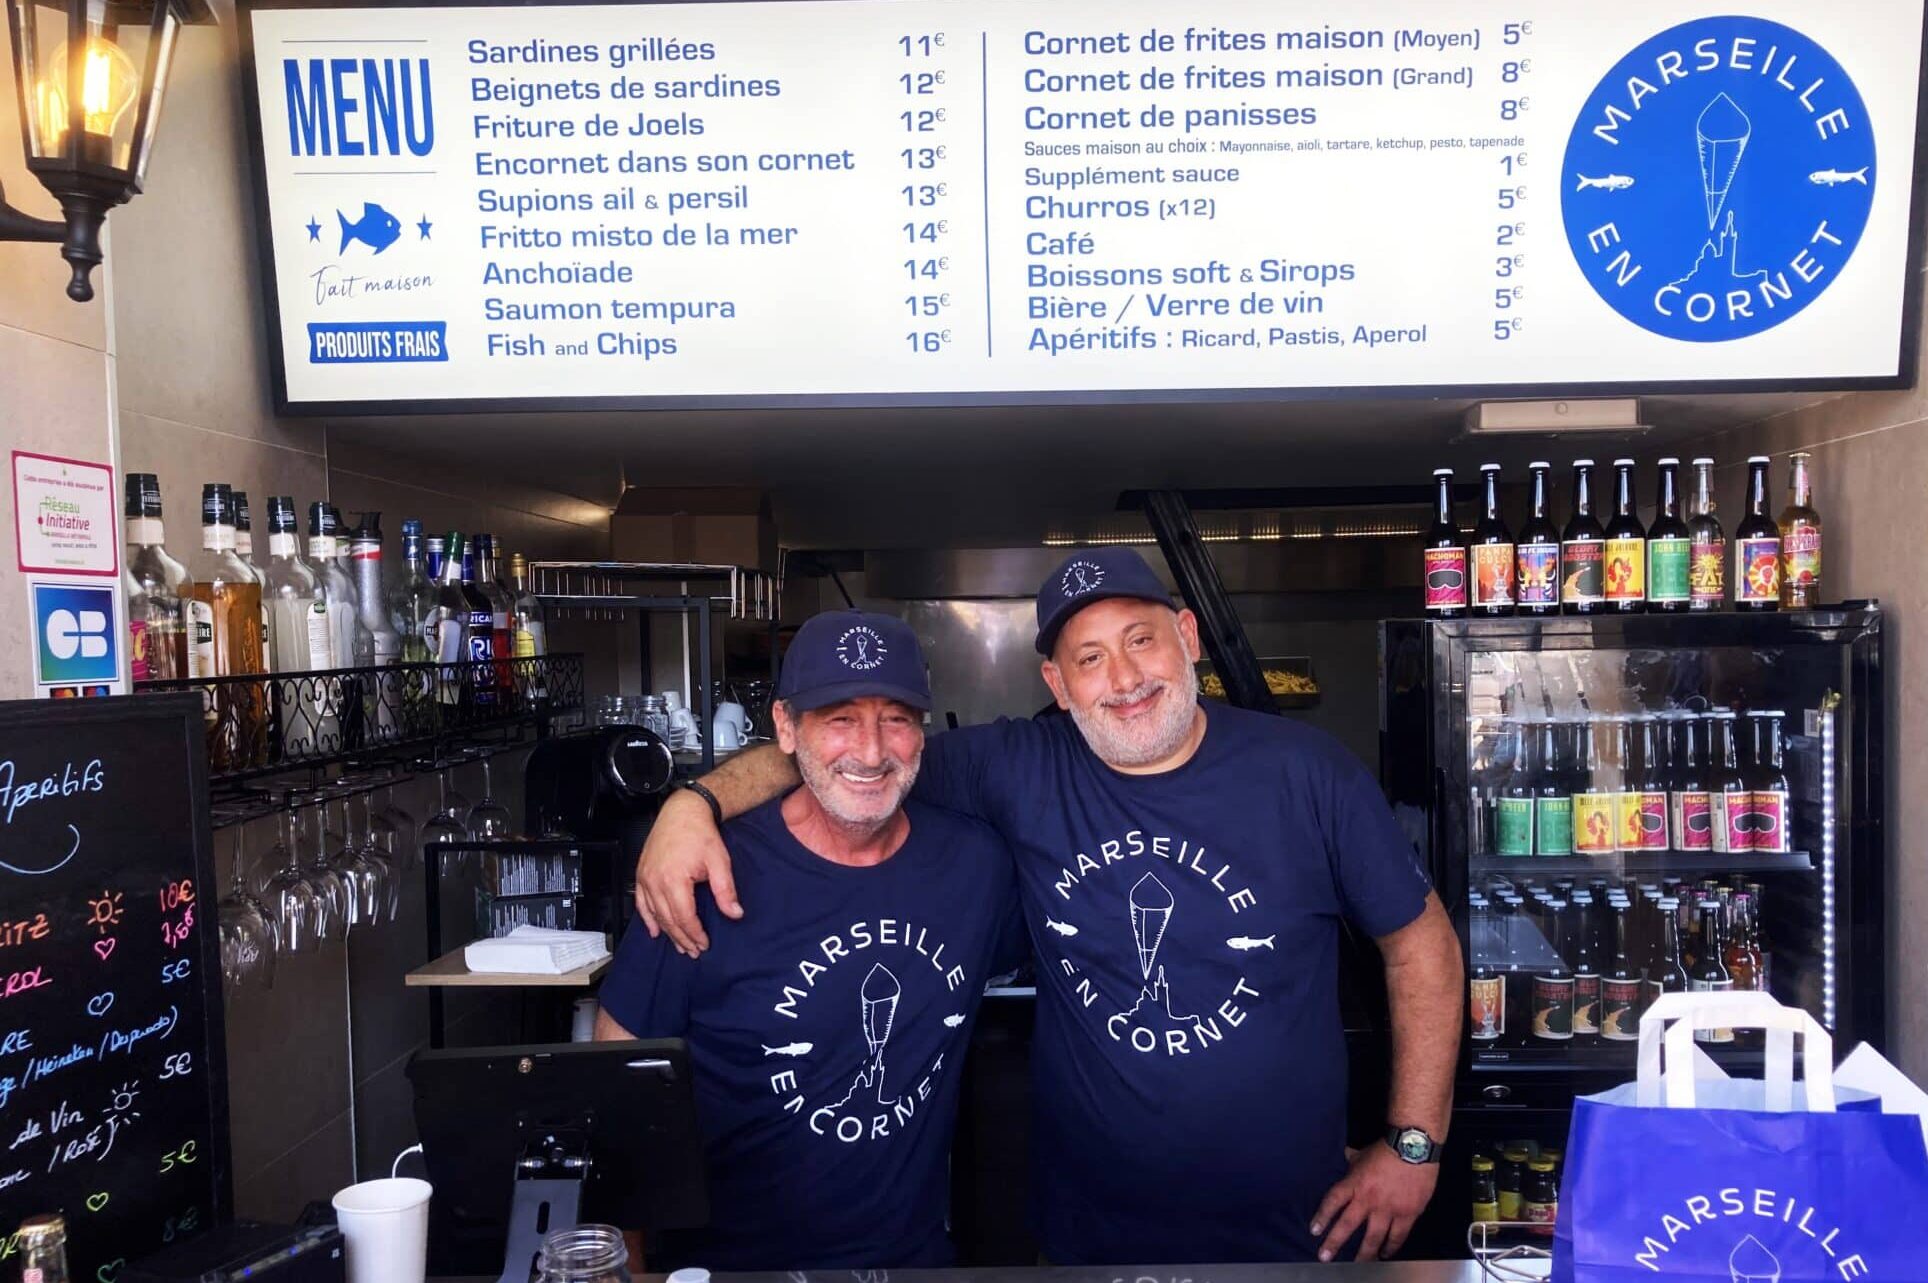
(925,194)
(927,304)
(1510,72)
(1514,33)
(924,157)
(1511,196)
(928,340)
(1507,327)
(1514,108)
(921,83)
(929,232)
(1508,233)
(924,121)
(1515,161)
(927,45)
(1506,296)
(181,1157)
(1507,264)
(927,269)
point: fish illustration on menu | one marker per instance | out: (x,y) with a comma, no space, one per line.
(376,228)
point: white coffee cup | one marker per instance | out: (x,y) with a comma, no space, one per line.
(384,1225)
(673,700)
(682,723)
(729,711)
(728,734)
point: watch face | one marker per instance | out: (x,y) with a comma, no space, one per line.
(1414,1147)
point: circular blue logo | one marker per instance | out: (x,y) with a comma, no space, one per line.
(1718,179)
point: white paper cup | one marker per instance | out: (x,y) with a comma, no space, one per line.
(385,1226)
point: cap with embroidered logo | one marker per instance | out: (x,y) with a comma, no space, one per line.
(1093,575)
(850,654)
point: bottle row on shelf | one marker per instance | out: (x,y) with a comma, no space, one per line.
(1679,563)
(1517,1183)
(1712,782)
(1566,962)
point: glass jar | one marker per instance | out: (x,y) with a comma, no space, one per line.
(585,1254)
(42,1242)
(655,717)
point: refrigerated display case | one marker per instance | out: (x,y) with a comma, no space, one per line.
(1569,784)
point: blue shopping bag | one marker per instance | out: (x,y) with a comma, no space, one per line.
(1730,1181)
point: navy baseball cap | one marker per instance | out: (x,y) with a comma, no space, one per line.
(848,654)
(1092,575)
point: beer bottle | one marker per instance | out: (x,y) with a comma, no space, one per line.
(1486,1192)
(1516,977)
(1540,1201)
(1626,803)
(1537,555)
(1445,555)
(1553,983)
(1667,975)
(1669,547)
(1621,999)
(1729,790)
(1486,987)
(1743,955)
(1586,969)
(1553,794)
(1492,551)
(1690,808)
(1626,547)
(1707,564)
(1800,539)
(1595,827)
(1757,547)
(1583,549)
(1513,825)
(1767,785)
(1710,973)
(1653,785)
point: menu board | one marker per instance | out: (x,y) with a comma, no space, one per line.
(941,201)
(113,1104)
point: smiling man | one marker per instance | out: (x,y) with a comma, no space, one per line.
(1184,874)
(827,1034)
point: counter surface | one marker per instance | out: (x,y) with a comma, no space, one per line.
(1338,1272)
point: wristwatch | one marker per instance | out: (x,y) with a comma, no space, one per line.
(1413,1145)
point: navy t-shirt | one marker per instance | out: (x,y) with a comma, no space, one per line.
(1190,1062)
(827,1033)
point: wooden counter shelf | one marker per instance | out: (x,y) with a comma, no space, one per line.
(450,970)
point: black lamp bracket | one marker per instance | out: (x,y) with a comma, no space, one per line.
(16,226)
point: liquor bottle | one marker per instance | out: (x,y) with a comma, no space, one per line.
(1729,790)
(1707,545)
(1669,548)
(479,627)
(1491,550)
(1743,951)
(1486,986)
(1710,974)
(1537,555)
(244,549)
(411,596)
(1690,805)
(1800,539)
(1586,970)
(530,631)
(1666,975)
(447,628)
(1767,785)
(1553,792)
(301,637)
(238,732)
(1595,828)
(1621,996)
(1652,831)
(1626,546)
(159,589)
(501,618)
(362,645)
(1553,984)
(1757,547)
(387,691)
(1445,555)
(344,694)
(1583,549)
(1513,823)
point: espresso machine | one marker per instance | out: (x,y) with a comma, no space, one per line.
(604,786)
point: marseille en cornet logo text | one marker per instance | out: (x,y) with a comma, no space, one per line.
(1718,179)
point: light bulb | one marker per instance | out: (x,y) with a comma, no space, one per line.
(108,84)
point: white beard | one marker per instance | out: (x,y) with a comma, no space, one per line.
(1150,737)
(867,816)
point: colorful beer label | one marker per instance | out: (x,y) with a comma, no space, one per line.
(1668,566)
(1757,570)
(1538,574)
(1445,579)
(1595,830)
(1486,1010)
(1733,822)
(1513,827)
(1586,1004)
(1626,570)
(1493,566)
(137,640)
(1692,821)
(1553,1008)
(1628,824)
(1707,572)
(1801,557)
(1553,826)
(1653,822)
(1583,571)
(1620,1003)
(1767,821)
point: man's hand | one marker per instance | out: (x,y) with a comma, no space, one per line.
(683,849)
(1383,1193)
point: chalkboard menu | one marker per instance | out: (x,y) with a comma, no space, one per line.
(113,1094)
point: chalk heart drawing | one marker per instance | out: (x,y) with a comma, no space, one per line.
(105,949)
(96,1201)
(99,1004)
(111,1271)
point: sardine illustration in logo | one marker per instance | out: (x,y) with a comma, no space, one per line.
(376,228)
(1721,174)
(861,649)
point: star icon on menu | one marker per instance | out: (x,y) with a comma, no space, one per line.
(423,226)
(314,229)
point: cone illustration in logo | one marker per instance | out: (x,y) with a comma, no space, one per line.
(880,994)
(1752,1263)
(1151,912)
(1722,133)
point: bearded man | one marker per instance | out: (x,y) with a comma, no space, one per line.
(827,1035)
(1184,874)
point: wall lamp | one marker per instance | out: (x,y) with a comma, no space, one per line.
(90,75)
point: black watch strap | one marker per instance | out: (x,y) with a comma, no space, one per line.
(1413,1144)
(716,807)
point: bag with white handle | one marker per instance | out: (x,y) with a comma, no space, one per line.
(1687,1174)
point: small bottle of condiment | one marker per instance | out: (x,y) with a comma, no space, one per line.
(1486,1191)
(1540,1203)
(42,1242)
(1512,1182)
